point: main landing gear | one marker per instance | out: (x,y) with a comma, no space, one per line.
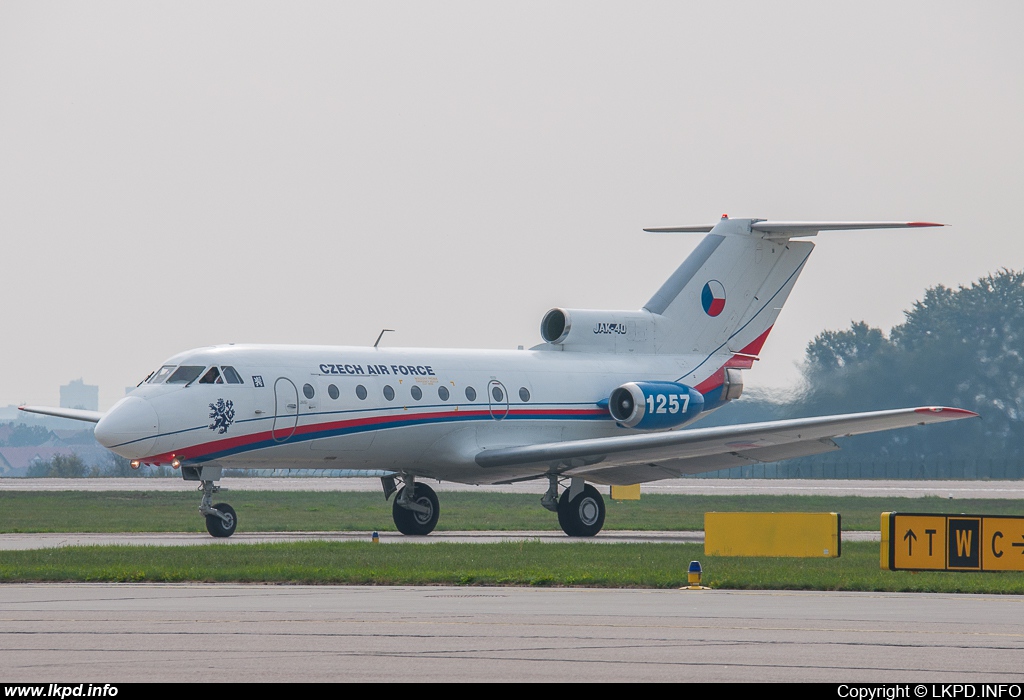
(580,508)
(415,509)
(582,515)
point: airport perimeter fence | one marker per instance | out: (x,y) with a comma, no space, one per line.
(996,469)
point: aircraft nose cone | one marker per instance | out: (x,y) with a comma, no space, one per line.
(129,428)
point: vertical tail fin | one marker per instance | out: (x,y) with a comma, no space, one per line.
(726,295)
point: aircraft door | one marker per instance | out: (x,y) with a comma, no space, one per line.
(497,399)
(286,409)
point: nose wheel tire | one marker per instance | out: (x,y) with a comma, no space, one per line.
(222,527)
(583,516)
(416,522)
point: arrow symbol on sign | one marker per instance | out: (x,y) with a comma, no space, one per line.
(910,538)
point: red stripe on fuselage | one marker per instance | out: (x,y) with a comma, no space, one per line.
(194,452)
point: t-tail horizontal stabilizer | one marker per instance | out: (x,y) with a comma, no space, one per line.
(790,229)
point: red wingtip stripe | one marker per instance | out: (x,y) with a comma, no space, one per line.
(920,224)
(962,412)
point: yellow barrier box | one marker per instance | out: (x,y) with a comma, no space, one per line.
(772,534)
(626,493)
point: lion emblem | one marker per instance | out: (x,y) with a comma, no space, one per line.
(223,414)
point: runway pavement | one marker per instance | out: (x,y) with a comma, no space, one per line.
(110,633)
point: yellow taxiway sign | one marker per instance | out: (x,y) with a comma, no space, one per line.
(932,542)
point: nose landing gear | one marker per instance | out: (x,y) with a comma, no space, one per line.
(221,523)
(221,520)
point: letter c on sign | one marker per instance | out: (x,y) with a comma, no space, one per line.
(998,552)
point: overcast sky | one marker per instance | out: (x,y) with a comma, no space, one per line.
(182,174)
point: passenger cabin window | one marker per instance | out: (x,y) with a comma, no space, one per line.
(212,376)
(161,374)
(416,392)
(471,393)
(231,375)
(442,391)
(333,392)
(186,374)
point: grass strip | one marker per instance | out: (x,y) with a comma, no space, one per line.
(503,564)
(262,511)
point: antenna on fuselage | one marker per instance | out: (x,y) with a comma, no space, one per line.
(386,330)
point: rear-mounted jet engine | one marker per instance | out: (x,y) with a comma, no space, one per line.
(655,405)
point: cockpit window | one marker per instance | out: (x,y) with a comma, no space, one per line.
(231,375)
(186,374)
(161,374)
(212,376)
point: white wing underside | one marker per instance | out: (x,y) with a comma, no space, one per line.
(633,459)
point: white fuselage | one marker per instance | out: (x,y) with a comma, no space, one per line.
(426,412)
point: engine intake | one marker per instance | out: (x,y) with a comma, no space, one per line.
(654,405)
(589,330)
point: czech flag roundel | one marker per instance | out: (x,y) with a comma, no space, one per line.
(712,298)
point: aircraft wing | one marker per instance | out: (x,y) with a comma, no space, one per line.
(72,413)
(632,459)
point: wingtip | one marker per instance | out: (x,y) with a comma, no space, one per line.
(923,224)
(952,412)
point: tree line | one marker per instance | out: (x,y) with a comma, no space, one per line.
(960,347)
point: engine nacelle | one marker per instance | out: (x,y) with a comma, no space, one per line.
(587,330)
(655,405)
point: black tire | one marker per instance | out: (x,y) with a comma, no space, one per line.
(584,515)
(217,526)
(411,522)
(563,520)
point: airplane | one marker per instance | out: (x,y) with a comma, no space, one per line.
(605,399)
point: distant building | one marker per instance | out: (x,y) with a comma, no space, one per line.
(16,461)
(78,394)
